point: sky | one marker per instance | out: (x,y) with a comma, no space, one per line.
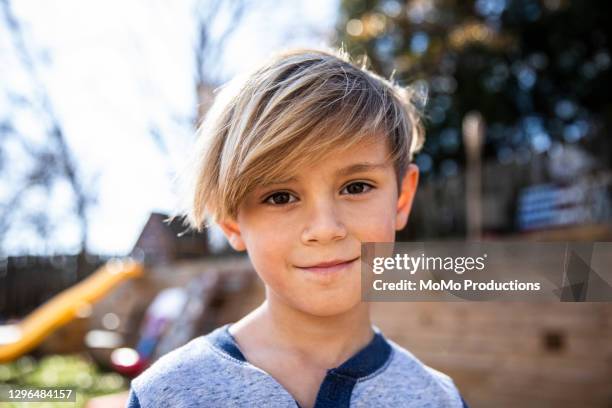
(115,69)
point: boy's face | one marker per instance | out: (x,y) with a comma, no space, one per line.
(323,216)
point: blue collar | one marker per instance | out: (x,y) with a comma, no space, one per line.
(338,383)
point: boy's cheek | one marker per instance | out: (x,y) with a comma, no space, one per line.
(265,252)
(378,226)
(271,272)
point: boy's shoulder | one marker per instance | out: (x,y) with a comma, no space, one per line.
(203,373)
(408,363)
(406,381)
(180,366)
(178,377)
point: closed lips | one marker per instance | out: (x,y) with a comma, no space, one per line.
(329,263)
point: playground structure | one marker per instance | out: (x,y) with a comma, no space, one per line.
(171,304)
(18,339)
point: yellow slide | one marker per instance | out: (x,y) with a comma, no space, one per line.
(18,339)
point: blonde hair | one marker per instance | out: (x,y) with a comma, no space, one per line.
(291,110)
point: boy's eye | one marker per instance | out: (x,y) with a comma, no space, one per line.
(357,188)
(284,197)
(280,198)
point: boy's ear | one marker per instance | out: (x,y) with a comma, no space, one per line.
(231,231)
(406,196)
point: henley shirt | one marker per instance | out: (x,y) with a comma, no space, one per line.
(211,371)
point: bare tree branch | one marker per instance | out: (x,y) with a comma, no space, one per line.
(63,156)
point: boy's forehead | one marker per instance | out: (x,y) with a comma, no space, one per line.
(368,155)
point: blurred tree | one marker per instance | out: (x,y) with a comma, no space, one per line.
(538,71)
(36,161)
(45,164)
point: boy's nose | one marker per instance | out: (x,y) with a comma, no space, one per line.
(323,224)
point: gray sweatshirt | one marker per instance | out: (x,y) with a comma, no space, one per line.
(211,371)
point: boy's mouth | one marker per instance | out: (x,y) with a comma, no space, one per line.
(329,266)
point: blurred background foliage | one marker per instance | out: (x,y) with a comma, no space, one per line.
(538,71)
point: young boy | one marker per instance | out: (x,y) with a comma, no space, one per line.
(300,163)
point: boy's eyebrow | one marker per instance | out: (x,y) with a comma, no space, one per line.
(359,168)
(345,171)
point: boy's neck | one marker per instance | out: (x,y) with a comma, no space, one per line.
(325,341)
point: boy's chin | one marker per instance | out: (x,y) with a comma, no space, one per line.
(329,307)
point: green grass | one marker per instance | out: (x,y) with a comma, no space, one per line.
(71,371)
